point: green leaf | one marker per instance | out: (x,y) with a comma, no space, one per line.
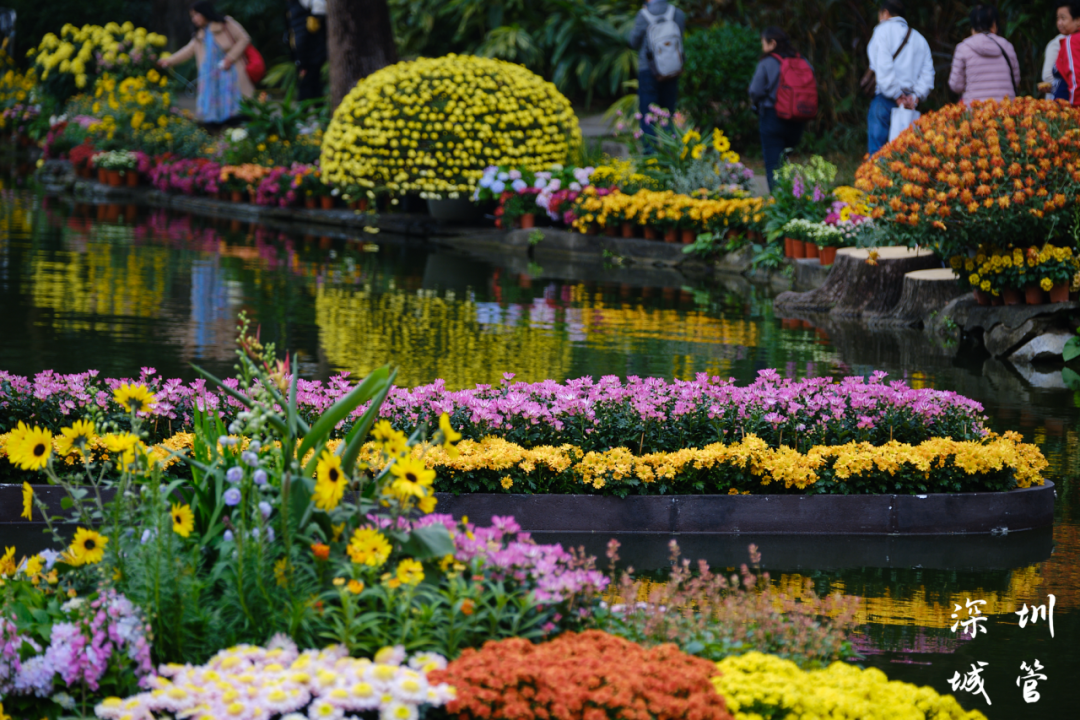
(350,449)
(67,503)
(431,541)
(1072,349)
(1071,379)
(370,385)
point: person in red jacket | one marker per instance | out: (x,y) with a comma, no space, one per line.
(1068,60)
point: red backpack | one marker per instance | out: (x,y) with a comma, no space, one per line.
(796,97)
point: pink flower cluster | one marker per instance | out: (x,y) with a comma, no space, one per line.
(189,177)
(100,634)
(652,412)
(554,574)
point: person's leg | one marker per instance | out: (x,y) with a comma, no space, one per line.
(647,95)
(310,84)
(877,123)
(772,142)
(668,94)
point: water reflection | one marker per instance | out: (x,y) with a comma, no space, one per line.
(118,288)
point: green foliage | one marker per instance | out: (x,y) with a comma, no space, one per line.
(720,63)
(581,47)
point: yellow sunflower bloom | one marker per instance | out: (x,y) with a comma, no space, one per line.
(29,448)
(330,481)
(449,435)
(134,398)
(412,478)
(7,563)
(88,548)
(77,437)
(33,566)
(183,520)
(369,547)
(410,572)
(27,501)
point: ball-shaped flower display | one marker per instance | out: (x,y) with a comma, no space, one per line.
(432,125)
(985,173)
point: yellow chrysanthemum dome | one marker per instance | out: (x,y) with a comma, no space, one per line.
(432,125)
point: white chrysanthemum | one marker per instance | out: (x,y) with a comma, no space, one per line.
(323,710)
(427,662)
(279,700)
(409,686)
(398,711)
(391,655)
(364,696)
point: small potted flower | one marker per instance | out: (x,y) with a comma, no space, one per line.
(1054,268)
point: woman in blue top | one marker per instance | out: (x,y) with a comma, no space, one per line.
(777,135)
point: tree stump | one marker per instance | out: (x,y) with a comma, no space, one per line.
(855,288)
(924,292)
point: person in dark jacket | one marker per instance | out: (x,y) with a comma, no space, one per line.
(307,40)
(777,135)
(651,91)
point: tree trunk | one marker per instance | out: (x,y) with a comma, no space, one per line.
(924,292)
(360,41)
(855,288)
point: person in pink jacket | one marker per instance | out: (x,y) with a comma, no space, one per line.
(984,66)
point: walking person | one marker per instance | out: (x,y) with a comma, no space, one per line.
(901,65)
(307,40)
(777,134)
(218,46)
(657,36)
(984,66)
(1067,24)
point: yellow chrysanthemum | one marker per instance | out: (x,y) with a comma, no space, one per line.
(412,478)
(135,398)
(29,448)
(27,501)
(77,437)
(88,548)
(369,547)
(330,481)
(183,520)
(33,566)
(1046,284)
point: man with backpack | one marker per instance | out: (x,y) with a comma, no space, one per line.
(901,71)
(657,35)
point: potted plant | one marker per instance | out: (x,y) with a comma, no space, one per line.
(115,163)
(1054,269)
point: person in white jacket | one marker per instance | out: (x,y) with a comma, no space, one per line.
(904,70)
(1067,24)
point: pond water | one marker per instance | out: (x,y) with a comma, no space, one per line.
(116,289)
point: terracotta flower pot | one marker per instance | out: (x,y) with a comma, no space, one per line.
(650,233)
(236,196)
(798,249)
(827,256)
(360,205)
(788,252)
(671,235)
(1033,294)
(327,202)
(114,178)
(811,250)
(528,220)
(130,213)
(627,230)
(1012,296)
(112,212)
(311,203)
(103,176)
(983,298)
(611,230)
(1059,293)
(996,300)
(688,236)
(132,178)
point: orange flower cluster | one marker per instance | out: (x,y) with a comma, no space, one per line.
(591,675)
(988,167)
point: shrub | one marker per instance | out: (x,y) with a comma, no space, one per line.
(713,616)
(435,124)
(966,176)
(760,686)
(720,62)
(576,676)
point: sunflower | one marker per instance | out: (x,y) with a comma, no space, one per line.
(330,481)
(7,562)
(27,501)
(124,444)
(369,547)
(412,478)
(33,566)
(134,398)
(393,441)
(88,547)
(29,448)
(449,435)
(77,437)
(183,520)
(410,572)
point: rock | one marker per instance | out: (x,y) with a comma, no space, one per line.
(1041,380)
(1047,346)
(1002,339)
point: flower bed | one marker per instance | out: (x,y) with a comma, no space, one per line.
(648,415)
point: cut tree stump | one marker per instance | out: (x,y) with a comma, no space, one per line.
(924,292)
(855,288)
